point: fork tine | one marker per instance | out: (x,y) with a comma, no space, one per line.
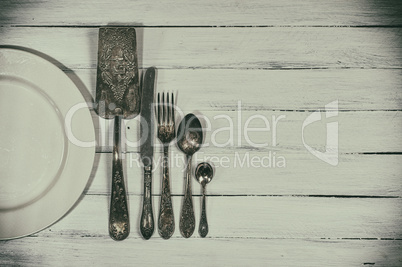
(167,109)
(172,112)
(158,106)
(163,109)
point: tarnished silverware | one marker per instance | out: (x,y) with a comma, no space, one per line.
(118,97)
(204,174)
(189,140)
(166,134)
(147,152)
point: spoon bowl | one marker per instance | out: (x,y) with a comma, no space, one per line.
(189,138)
(204,173)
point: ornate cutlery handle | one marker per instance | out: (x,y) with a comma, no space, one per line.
(203,227)
(119,224)
(187,218)
(166,218)
(147,217)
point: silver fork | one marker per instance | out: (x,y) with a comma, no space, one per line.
(166,134)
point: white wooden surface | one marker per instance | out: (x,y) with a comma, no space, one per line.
(278,58)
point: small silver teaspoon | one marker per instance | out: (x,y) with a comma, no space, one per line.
(204,174)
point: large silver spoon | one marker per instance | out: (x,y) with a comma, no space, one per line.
(189,140)
(204,174)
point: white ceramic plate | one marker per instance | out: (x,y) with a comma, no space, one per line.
(46,143)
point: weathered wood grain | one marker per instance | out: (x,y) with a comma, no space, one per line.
(251,217)
(261,90)
(67,251)
(205,13)
(304,174)
(223,48)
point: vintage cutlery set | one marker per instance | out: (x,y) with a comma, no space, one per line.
(120,96)
(58,139)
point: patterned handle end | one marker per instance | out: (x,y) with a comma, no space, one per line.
(147,217)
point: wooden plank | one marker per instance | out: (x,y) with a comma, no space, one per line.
(276,131)
(222,48)
(355,175)
(220,90)
(252,217)
(46,250)
(205,13)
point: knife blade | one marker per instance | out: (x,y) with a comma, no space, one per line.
(147,151)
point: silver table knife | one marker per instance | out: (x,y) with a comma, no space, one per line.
(147,151)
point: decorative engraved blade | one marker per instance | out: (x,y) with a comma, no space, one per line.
(117,84)
(147,123)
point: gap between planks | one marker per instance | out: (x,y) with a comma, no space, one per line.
(198,26)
